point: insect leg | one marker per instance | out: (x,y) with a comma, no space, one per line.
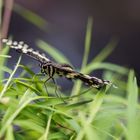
(46,83)
(57,94)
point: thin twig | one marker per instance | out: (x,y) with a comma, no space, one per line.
(6,19)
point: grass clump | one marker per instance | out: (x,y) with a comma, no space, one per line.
(26,111)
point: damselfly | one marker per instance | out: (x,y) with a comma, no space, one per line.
(51,68)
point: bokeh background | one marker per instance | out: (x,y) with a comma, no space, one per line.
(66,22)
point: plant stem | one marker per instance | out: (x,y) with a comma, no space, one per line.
(6,19)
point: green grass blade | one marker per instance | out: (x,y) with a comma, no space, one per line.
(3,60)
(54,110)
(133,119)
(9,134)
(105,52)
(87,42)
(28,86)
(5,56)
(28,70)
(5,69)
(30,16)
(53,52)
(45,136)
(105,66)
(93,110)
(77,85)
(96,104)
(10,78)
(77,104)
(29,124)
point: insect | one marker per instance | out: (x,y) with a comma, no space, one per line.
(51,68)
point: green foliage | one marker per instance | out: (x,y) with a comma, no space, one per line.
(33,18)
(54,53)
(3,61)
(27,112)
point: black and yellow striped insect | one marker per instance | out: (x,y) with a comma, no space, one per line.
(51,68)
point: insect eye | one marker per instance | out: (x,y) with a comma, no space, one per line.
(44,66)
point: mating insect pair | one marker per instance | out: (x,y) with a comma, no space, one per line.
(51,68)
